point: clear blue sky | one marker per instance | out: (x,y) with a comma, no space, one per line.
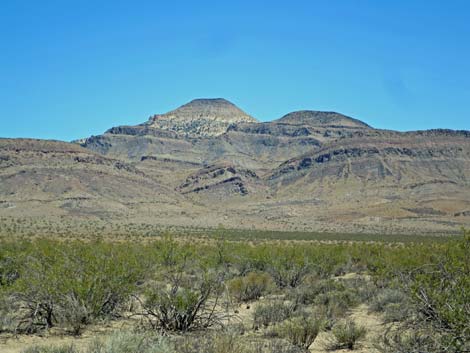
(73,68)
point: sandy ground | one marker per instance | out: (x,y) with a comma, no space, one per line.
(361,316)
(16,344)
(10,344)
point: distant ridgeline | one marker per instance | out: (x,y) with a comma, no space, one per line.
(208,163)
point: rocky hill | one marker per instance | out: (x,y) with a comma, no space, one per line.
(316,118)
(42,178)
(209,163)
(201,117)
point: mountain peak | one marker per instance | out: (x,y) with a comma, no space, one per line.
(202,116)
(212,108)
(209,101)
(321,118)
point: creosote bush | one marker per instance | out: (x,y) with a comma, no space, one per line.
(186,303)
(74,283)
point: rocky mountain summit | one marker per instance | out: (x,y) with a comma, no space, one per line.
(201,117)
(209,163)
(318,118)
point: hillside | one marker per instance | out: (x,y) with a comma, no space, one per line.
(209,163)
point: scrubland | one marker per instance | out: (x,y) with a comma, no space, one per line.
(225,294)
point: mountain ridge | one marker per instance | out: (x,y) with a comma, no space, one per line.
(209,163)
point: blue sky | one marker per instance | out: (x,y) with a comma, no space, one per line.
(71,69)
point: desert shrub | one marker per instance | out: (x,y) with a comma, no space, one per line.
(314,290)
(75,283)
(305,294)
(330,260)
(8,321)
(439,297)
(230,342)
(385,297)
(300,331)
(73,314)
(347,335)
(365,290)
(331,314)
(129,342)
(184,303)
(398,341)
(223,254)
(11,255)
(397,312)
(288,266)
(71,284)
(393,303)
(342,300)
(10,259)
(332,298)
(250,287)
(442,295)
(272,313)
(169,253)
(275,346)
(9,310)
(245,259)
